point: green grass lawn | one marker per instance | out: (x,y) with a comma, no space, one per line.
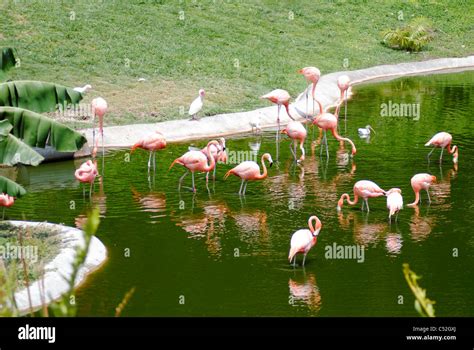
(236,50)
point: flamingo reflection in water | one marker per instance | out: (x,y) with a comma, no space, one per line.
(304,292)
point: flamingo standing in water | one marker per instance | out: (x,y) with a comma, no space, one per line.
(250,171)
(312,75)
(297,132)
(328,121)
(87,173)
(152,143)
(343,83)
(443,140)
(303,240)
(420,182)
(394,202)
(365,189)
(281,98)
(6,201)
(99,108)
(196,105)
(195,161)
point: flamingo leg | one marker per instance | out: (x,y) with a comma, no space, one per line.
(292,151)
(241,186)
(149,162)
(345,111)
(103,147)
(90,190)
(214,174)
(154,161)
(441,156)
(326,144)
(3,215)
(207,177)
(278,134)
(181,179)
(322,145)
(245,187)
(294,261)
(363,204)
(295,144)
(428,194)
(192,176)
(304,258)
(367,204)
(429,154)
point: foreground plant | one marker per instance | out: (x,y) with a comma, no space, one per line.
(423,305)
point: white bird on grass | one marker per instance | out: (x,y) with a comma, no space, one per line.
(365,132)
(83,89)
(197,104)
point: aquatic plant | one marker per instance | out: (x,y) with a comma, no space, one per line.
(423,305)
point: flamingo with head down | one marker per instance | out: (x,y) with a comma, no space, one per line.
(365,189)
(420,182)
(6,201)
(297,133)
(443,140)
(152,143)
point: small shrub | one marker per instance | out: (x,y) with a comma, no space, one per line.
(412,37)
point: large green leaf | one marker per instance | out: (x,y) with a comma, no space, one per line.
(7,59)
(11,188)
(37,130)
(13,150)
(37,96)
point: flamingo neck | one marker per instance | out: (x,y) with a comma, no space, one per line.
(212,162)
(264,174)
(313,90)
(302,150)
(320,107)
(288,111)
(417,199)
(340,138)
(311,227)
(454,151)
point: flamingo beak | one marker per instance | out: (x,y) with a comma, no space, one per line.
(271,163)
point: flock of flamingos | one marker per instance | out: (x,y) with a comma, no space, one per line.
(206,159)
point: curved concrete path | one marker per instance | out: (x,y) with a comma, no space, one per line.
(59,270)
(236,123)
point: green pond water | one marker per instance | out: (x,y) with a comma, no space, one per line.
(214,253)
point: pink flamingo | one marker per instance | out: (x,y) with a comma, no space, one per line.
(297,132)
(312,75)
(328,121)
(99,108)
(219,154)
(420,182)
(303,240)
(250,171)
(443,140)
(153,142)
(394,202)
(6,201)
(343,83)
(87,173)
(365,189)
(195,161)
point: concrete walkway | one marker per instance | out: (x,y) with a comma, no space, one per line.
(237,123)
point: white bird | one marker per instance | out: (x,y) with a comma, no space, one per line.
(197,104)
(365,132)
(83,89)
(255,124)
(394,202)
(303,240)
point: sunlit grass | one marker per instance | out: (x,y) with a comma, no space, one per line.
(236,50)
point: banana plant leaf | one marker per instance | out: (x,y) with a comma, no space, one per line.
(37,96)
(37,130)
(11,188)
(7,59)
(13,150)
